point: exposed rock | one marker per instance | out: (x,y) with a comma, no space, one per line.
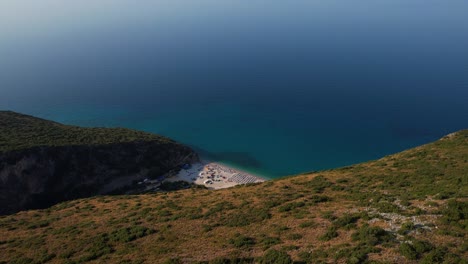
(41,176)
(394,221)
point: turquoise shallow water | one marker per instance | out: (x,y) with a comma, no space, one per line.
(273,88)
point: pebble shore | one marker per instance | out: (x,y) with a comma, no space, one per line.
(214,175)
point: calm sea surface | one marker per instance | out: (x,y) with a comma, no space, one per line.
(273,87)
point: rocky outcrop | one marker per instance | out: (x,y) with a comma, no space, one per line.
(41,176)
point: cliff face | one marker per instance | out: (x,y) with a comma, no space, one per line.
(41,176)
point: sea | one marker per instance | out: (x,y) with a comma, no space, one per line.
(272,87)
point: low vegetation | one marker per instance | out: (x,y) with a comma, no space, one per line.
(18,131)
(410,207)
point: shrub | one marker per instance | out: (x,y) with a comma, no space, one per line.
(267,242)
(328,215)
(408,251)
(295,236)
(346,221)
(305,256)
(359,254)
(371,235)
(22,260)
(422,246)
(386,207)
(44,257)
(219,207)
(342,180)
(232,261)
(329,234)
(315,199)
(130,233)
(271,203)
(456,211)
(241,241)
(173,261)
(319,253)
(247,217)
(444,195)
(99,247)
(273,256)
(404,200)
(289,247)
(307,224)
(406,228)
(437,255)
(319,184)
(39,224)
(290,206)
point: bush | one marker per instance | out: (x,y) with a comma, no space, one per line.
(241,241)
(329,234)
(173,261)
(99,247)
(346,221)
(267,242)
(444,195)
(456,213)
(329,215)
(290,206)
(386,207)
(130,233)
(406,228)
(422,246)
(319,184)
(342,180)
(273,256)
(372,235)
(315,199)
(408,251)
(305,256)
(44,257)
(359,254)
(307,224)
(435,256)
(247,217)
(232,261)
(21,260)
(289,247)
(295,236)
(39,224)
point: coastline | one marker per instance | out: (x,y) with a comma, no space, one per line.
(215,175)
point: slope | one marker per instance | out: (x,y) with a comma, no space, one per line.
(43,162)
(410,207)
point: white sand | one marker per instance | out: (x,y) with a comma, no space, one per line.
(214,175)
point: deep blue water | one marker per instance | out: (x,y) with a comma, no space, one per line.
(274,87)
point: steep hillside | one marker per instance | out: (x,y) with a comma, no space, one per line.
(43,162)
(410,207)
(18,131)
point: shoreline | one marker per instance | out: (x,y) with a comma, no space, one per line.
(215,175)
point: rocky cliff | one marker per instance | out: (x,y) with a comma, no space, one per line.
(40,175)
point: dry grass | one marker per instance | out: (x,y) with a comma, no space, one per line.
(292,214)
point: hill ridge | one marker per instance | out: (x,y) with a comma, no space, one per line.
(20,131)
(44,162)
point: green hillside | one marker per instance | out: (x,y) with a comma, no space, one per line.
(411,207)
(18,131)
(43,162)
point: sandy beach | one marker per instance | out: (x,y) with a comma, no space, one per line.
(214,175)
